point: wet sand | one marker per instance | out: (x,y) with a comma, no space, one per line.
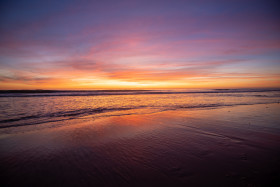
(229,146)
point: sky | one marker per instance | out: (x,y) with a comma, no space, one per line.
(144,44)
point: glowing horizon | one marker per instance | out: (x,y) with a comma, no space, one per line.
(139,44)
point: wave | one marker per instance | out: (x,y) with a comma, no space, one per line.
(49,117)
(73,114)
(55,93)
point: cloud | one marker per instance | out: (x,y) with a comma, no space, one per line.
(139,42)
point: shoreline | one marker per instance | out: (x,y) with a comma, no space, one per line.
(136,112)
(183,147)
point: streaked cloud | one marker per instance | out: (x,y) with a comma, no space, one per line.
(127,44)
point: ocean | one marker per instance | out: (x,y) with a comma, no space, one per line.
(218,137)
(19,108)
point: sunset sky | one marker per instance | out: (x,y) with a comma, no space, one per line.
(139,44)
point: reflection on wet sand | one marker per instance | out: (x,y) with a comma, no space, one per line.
(174,148)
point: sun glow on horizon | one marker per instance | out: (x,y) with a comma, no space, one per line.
(143,45)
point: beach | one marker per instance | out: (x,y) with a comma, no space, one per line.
(140,93)
(212,146)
